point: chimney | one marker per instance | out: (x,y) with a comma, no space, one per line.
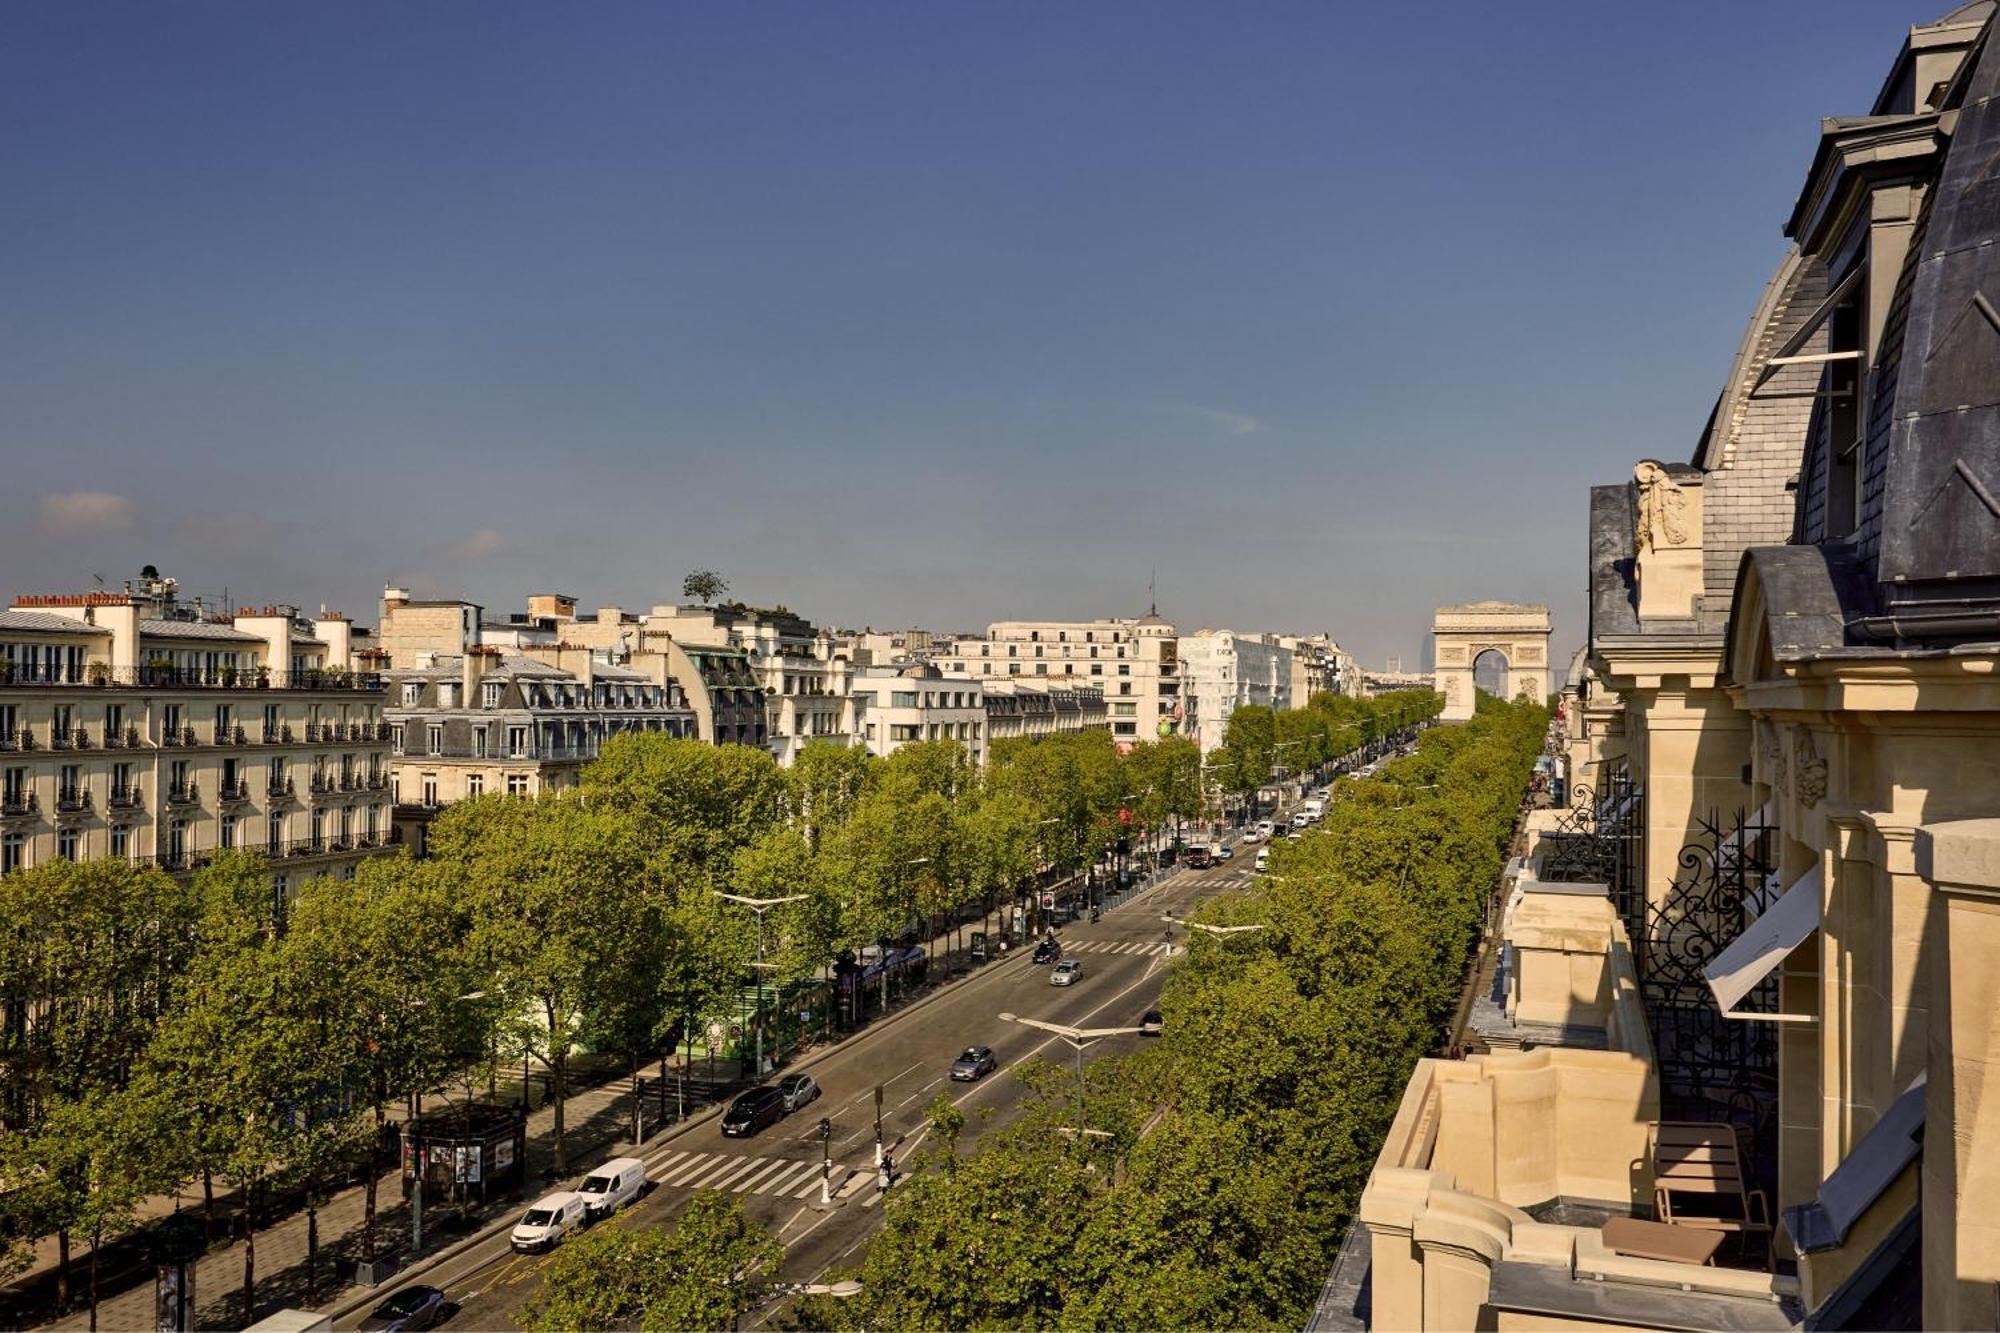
(475,663)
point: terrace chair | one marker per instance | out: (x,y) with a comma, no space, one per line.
(1698,1180)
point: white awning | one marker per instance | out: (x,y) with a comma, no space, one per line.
(1756,953)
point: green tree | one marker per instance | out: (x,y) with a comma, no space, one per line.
(704,585)
(709,1271)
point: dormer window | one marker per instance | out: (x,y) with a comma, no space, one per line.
(490,693)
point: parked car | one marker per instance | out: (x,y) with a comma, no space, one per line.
(1066,972)
(412,1307)
(1048,951)
(1151,1023)
(973,1064)
(613,1185)
(753,1111)
(552,1217)
(797,1090)
(1222,851)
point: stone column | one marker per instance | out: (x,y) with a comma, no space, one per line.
(1961,1169)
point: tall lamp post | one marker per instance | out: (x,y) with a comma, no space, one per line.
(761,906)
(1078,1038)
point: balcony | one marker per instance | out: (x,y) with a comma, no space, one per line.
(183,793)
(236,736)
(350,782)
(25,739)
(279,789)
(73,801)
(1488,1204)
(126,739)
(123,798)
(18,805)
(378,782)
(233,793)
(177,737)
(278,735)
(314,733)
(163,675)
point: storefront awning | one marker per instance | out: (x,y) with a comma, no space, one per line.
(1764,943)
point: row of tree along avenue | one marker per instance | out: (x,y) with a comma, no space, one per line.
(156,1031)
(1219,1166)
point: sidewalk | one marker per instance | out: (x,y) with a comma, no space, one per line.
(597,1120)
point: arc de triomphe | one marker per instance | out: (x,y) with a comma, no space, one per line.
(1516,635)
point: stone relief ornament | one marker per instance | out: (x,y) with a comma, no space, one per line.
(1662,508)
(1774,757)
(1811,769)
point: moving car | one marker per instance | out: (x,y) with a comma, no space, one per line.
(1301,819)
(412,1307)
(973,1064)
(1222,851)
(1048,951)
(1265,828)
(1250,835)
(1066,972)
(753,1111)
(797,1090)
(1151,1023)
(612,1186)
(552,1217)
(1264,858)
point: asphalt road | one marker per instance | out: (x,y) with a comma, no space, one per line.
(777,1173)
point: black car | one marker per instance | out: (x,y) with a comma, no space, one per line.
(412,1307)
(754,1110)
(1151,1023)
(1048,951)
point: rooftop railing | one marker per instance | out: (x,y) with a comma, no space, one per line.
(160,675)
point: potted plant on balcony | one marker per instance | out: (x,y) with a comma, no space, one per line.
(228,677)
(263,675)
(97,672)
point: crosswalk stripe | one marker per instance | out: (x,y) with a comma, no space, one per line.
(666,1163)
(785,1181)
(752,1181)
(1125,948)
(727,1179)
(854,1184)
(693,1166)
(803,1186)
(715,1170)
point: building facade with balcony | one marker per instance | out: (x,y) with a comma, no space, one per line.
(134,725)
(1223,670)
(806,676)
(1784,742)
(903,705)
(490,721)
(1134,664)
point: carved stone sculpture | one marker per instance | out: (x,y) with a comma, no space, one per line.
(1663,518)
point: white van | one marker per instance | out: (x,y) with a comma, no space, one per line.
(1313,809)
(553,1217)
(1263,858)
(613,1185)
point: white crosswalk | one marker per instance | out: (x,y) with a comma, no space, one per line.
(1114,946)
(783,1177)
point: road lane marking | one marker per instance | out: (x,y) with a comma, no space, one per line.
(755,1179)
(689,1169)
(706,1179)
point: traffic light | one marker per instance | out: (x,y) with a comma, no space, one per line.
(825,1129)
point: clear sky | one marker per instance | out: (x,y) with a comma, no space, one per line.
(932,313)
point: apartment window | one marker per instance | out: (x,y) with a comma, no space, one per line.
(903,699)
(374,821)
(1013,650)
(490,693)
(986,650)
(396,738)
(1124,687)
(223,722)
(319,828)
(12,848)
(121,841)
(1041,668)
(226,832)
(1125,710)
(1846,422)
(475,784)
(1124,728)
(270,722)
(448,694)
(347,824)
(479,742)
(1121,652)
(170,720)
(1125,669)
(396,787)
(517,742)
(434,738)
(1013,668)
(1038,650)
(517,784)
(274,833)
(413,693)
(177,775)
(67,843)
(430,789)
(1096,668)
(177,840)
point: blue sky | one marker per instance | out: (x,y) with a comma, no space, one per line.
(934,313)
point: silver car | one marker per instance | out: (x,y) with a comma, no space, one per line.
(1066,972)
(797,1090)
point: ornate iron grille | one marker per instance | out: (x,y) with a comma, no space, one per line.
(1712,1066)
(1601,840)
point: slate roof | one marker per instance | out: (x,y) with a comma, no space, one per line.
(41,622)
(193,629)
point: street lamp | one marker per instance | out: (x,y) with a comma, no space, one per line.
(761,906)
(1168,917)
(1078,1038)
